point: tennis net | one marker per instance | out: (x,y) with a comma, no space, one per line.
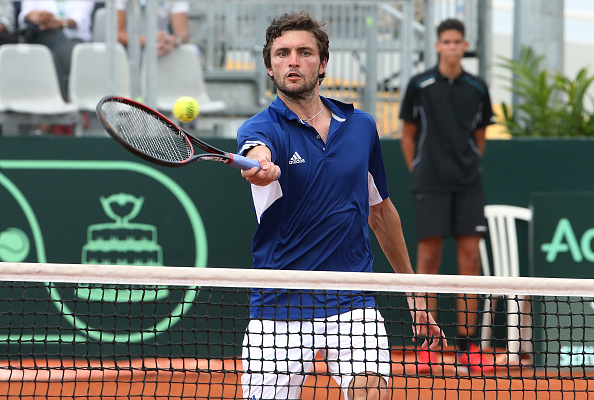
(101,331)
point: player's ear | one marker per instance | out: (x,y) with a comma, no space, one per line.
(269,71)
(323,66)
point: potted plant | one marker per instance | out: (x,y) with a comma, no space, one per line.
(548,103)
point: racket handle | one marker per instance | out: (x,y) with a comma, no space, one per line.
(242,162)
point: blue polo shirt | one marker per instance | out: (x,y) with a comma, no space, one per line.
(315,217)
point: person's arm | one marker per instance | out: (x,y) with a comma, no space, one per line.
(179,27)
(122,31)
(79,17)
(407,142)
(6,17)
(43,19)
(487,118)
(268,172)
(384,220)
(480,139)
(166,41)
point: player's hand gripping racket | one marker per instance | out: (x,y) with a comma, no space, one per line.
(152,136)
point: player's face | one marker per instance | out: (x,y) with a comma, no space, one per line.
(295,63)
(451,46)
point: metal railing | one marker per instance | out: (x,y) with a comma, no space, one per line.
(375,47)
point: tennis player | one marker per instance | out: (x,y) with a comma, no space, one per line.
(315,217)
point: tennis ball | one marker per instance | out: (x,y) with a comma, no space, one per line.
(185,109)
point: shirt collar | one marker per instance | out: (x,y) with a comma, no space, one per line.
(440,77)
(338,108)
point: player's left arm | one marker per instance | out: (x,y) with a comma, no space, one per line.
(486,118)
(480,138)
(385,222)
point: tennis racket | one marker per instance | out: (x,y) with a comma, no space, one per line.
(153,137)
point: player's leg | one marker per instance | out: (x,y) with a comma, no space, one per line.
(429,252)
(357,353)
(469,227)
(467,247)
(433,222)
(368,386)
(275,355)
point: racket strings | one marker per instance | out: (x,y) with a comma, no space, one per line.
(146,133)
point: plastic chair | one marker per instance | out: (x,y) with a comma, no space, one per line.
(89,74)
(29,87)
(99,25)
(179,73)
(2,111)
(501,220)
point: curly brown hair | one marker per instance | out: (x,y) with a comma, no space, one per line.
(297,21)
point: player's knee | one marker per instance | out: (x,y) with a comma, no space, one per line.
(369,387)
(428,263)
(469,263)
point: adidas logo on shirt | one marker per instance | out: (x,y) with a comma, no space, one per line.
(296,159)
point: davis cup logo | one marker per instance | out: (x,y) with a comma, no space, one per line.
(122,313)
(39,224)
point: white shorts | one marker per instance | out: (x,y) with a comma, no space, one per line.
(277,355)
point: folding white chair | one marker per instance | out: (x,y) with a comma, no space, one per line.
(503,238)
(2,111)
(179,73)
(29,87)
(99,24)
(89,74)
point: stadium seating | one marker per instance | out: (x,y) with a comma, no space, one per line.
(99,25)
(89,74)
(179,73)
(29,88)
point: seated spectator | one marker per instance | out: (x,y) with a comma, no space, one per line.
(7,31)
(59,25)
(172,24)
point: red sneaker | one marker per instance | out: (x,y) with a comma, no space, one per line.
(425,359)
(475,360)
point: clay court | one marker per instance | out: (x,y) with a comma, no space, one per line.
(177,378)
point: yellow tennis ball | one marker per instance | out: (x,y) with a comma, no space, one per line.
(185,109)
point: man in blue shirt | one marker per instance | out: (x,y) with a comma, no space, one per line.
(315,217)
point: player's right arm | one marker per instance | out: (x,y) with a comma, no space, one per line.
(268,172)
(407,142)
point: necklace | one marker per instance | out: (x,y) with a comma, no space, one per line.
(303,121)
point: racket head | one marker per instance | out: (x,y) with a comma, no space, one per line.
(145,132)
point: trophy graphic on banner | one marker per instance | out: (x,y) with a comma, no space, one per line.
(121,242)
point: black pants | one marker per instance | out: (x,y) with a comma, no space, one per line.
(6,38)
